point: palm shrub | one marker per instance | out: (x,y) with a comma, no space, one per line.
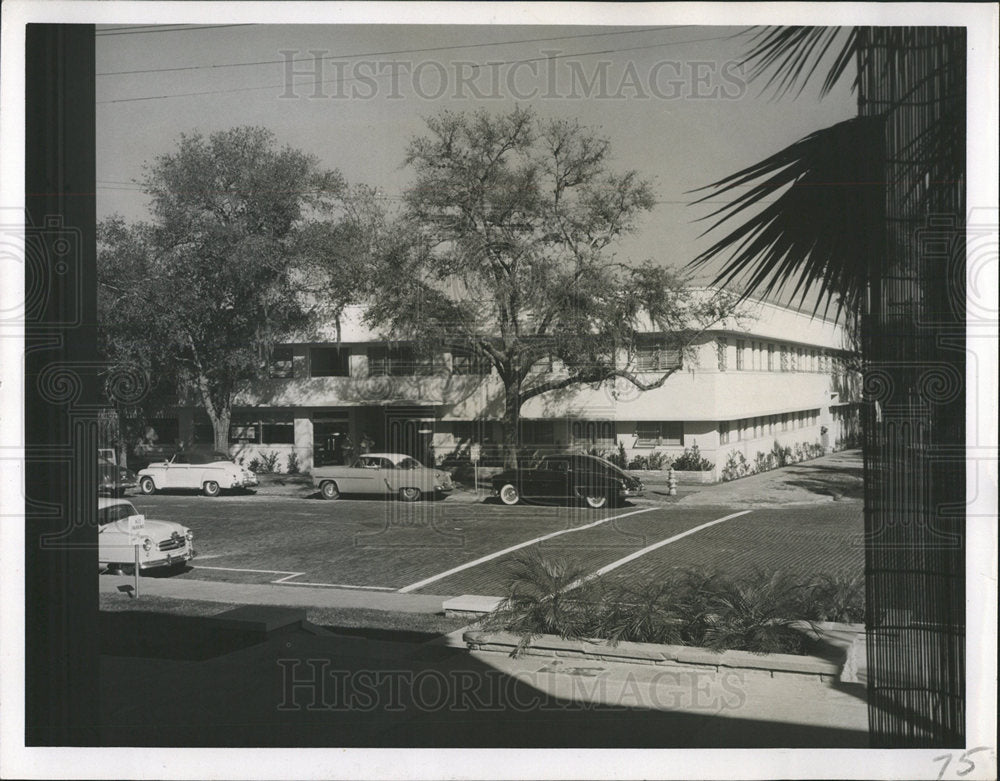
(539,601)
(658,460)
(755,613)
(646,612)
(836,598)
(293,467)
(691,460)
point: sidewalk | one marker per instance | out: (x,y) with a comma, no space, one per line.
(833,478)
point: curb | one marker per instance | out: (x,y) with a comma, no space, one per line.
(674,656)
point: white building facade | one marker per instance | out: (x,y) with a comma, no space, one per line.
(770,375)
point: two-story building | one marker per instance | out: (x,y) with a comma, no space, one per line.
(772,374)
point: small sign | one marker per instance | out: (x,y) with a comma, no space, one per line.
(136,527)
(474,453)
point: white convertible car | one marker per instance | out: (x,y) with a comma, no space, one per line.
(210,473)
(161,543)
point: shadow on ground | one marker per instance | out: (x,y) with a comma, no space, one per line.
(178,681)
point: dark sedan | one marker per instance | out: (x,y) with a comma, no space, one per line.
(558,477)
(113,479)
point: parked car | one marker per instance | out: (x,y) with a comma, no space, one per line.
(162,543)
(111,478)
(568,476)
(208,472)
(383,473)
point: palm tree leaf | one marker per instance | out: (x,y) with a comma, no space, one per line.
(819,226)
(790,56)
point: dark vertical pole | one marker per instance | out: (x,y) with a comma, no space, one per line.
(61,677)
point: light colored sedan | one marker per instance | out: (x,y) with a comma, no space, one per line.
(382,473)
(161,543)
(210,473)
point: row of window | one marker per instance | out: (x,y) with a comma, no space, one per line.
(382,362)
(771,357)
(766,425)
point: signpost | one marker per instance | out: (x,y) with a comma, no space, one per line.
(136,528)
(475,452)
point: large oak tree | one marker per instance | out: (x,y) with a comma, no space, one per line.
(241,234)
(506,250)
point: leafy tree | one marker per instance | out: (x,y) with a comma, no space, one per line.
(506,250)
(199,294)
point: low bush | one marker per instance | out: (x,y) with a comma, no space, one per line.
(756,612)
(293,467)
(691,461)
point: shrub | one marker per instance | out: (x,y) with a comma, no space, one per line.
(537,601)
(658,460)
(639,462)
(736,466)
(756,614)
(836,598)
(781,456)
(691,461)
(293,467)
(269,462)
(255,465)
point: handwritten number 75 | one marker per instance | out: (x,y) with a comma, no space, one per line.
(962,760)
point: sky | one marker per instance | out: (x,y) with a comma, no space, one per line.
(673,100)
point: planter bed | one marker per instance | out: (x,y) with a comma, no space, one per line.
(838,636)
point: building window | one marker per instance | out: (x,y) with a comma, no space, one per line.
(537,432)
(329,362)
(398,362)
(243,431)
(469,362)
(656,358)
(741,347)
(784,421)
(770,358)
(723,349)
(278,430)
(651,433)
(772,424)
(785,363)
(279,366)
(724,432)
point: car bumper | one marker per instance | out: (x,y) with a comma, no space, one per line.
(169,560)
(245,482)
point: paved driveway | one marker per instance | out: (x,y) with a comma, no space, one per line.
(462,547)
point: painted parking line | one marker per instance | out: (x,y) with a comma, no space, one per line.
(639,553)
(288,575)
(505,551)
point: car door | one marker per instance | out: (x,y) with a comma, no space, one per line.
(364,477)
(548,482)
(177,472)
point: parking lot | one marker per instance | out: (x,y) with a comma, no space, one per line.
(463,545)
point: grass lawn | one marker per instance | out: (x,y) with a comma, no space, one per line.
(360,622)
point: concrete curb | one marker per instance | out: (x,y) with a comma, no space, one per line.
(676,656)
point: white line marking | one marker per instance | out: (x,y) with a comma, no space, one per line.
(467,565)
(289,575)
(648,548)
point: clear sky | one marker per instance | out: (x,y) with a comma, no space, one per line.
(672,99)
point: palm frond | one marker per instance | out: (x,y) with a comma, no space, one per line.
(819,227)
(789,56)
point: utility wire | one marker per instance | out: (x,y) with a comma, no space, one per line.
(380,76)
(387,53)
(164,29)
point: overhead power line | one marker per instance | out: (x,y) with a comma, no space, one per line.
(381,76)
(163,29)
(388,53)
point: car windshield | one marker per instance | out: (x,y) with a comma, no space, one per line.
(116,512)
(409,463)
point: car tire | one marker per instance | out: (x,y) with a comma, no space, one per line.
(596,501)
(410,494)
(329,490)
(509,494)
(211,488)
(147,486)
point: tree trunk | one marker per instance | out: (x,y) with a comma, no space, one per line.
(220,429)
(511,417)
